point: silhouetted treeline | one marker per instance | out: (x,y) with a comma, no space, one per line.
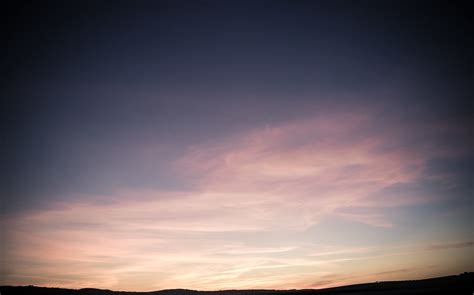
(460,284)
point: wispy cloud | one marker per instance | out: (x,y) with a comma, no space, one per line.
(313,166)
(276,179)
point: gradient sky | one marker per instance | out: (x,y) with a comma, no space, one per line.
(235,144)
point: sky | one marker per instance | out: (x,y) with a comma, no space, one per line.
(235,144)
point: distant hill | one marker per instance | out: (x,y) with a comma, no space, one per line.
(460,284)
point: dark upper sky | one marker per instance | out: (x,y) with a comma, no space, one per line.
(177,71)
(344,106)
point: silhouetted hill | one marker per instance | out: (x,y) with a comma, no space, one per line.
(460,284)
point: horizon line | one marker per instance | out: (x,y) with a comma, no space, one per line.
(466,273)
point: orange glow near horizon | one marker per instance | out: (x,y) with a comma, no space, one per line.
(273,207)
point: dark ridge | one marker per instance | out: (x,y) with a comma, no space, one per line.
(457,284)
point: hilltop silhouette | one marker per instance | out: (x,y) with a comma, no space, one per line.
(458,284)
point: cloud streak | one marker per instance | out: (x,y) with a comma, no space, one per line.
(274,181)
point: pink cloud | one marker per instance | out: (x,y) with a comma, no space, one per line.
(315,165)
(282,178)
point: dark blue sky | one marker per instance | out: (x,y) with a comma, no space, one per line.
(176,71)
(180,72)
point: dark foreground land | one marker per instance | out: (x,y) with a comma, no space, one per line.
(460,284)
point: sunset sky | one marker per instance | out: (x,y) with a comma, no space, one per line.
(235,144)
